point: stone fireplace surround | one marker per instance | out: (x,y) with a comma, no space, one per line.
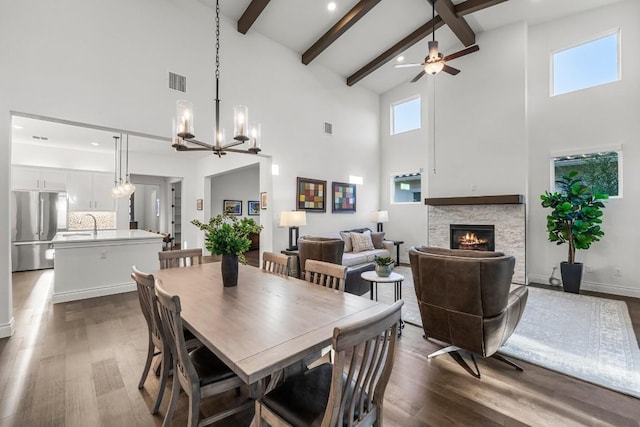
(505,212)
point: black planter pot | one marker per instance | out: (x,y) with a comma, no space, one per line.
(229,267)
(571,276)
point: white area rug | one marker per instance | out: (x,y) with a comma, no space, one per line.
(581,336)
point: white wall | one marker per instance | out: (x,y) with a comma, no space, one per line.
(590,118)
(101,63)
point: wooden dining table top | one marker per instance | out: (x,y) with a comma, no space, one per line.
(266,322)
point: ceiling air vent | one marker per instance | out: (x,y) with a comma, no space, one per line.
(328,128)
(177,82)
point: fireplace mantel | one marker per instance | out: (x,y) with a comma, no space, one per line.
(507,199)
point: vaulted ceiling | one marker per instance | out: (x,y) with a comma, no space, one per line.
(361,39)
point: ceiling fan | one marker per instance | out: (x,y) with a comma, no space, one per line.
(435,61)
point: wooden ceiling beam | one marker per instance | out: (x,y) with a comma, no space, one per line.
(462,9)
(250,15)
(413,38)
(458,25)
(347,21)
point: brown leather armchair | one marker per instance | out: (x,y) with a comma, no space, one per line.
(319,248)
(465,300)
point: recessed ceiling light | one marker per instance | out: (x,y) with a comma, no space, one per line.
(400,58)
(95,144)
(17,127)
(331,6)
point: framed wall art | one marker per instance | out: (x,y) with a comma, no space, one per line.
(311,195)
(263,200)
(344,197)
(253,207)
(233,207)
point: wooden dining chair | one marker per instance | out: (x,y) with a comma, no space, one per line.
(349,392)
(180,258)
(148,304)
(325,274)
(200,373)
(275,263)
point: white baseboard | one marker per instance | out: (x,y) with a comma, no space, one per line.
(92,292)
(593,286)
(8,329)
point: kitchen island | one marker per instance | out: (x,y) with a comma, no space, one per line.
(89,265)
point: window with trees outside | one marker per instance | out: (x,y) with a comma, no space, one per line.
(601,171)
(406,188)
(589,64)
(405,115)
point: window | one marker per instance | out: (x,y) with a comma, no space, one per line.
(406,188)
(405,115)
(589,64)
(601,171)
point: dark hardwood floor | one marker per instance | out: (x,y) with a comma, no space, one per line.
(78,364)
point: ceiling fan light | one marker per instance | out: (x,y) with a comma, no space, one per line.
(433,68)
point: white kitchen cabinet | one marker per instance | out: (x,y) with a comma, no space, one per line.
(90,191)
(40,179)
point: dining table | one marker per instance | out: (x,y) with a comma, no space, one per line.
(264,324)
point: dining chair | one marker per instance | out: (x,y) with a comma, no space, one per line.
(180,258)
(275,263)
(325,274)
(348,392)
(199,373)
(148,304)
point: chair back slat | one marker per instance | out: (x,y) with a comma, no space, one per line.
(366,350)
(325,274)
(180,258)
(169,306)
(275,263)
(147,299)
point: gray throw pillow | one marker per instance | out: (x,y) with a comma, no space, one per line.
(377,238)
(362,241)
(346,236)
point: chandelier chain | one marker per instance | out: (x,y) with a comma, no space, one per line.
(217,39)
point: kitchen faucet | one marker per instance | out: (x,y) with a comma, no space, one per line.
(95,224)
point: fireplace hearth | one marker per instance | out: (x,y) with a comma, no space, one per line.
(472,237)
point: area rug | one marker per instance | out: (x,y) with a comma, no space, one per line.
(581,336)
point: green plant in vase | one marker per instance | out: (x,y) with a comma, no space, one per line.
(384,266)
(575,219)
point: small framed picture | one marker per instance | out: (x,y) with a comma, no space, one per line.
(253,207)
(263,200)
(311,195)
(233,207)
(344,197)
(199,204)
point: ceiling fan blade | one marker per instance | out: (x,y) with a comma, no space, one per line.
(462,52)
(408,65)
(416,78)
(450,70)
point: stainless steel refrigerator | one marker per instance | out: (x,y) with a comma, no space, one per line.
(34,222)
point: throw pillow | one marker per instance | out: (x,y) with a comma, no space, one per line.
(346,236)
(362,241)
(377,239)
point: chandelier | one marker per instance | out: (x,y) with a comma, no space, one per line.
(120,188)
(243,131)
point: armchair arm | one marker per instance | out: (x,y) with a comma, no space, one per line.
(389,245)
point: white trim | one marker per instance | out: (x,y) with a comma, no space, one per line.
(92,292)
(8,329)
(604,288)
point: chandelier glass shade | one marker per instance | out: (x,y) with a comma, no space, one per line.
(121,188)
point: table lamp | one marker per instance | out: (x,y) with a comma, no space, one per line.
(380,217)
(293,219)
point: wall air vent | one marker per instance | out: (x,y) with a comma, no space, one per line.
(177,82)
(328,128)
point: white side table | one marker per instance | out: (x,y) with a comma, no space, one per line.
(395,278)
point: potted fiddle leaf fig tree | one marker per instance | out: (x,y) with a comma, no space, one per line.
(228,236)
(575,219)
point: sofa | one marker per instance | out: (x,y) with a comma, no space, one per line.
(340,248)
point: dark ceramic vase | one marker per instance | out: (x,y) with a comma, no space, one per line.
(229,270)
(571,276)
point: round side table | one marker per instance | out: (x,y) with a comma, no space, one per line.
(395,278)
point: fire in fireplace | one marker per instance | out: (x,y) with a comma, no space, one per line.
(472,237)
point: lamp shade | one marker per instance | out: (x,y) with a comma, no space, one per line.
(293,218)
(379,216)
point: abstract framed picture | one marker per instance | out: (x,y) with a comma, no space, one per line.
(311,195)
(253,207)
(344,197)
(233,207)
(263,200)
